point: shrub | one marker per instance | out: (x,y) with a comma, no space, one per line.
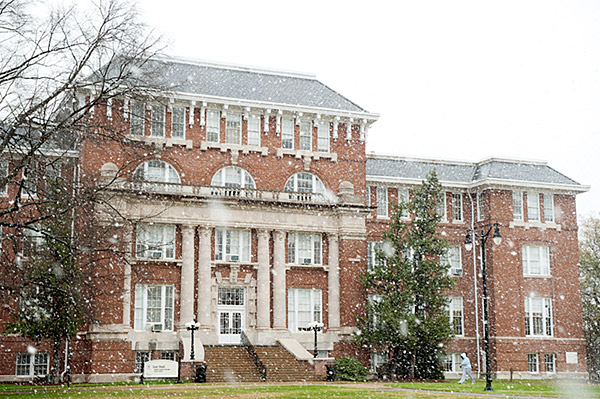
(350,369)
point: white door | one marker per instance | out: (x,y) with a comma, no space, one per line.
(232,315)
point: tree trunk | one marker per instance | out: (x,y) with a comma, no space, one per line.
(413,362)
(55,369)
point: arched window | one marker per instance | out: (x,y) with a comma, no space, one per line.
(233,176)
(304,182)
(156,171)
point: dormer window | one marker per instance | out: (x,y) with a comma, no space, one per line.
(233,176)
(304,182)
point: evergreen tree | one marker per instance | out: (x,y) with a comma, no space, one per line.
(589,247)
(406,312)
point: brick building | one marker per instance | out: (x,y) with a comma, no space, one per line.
(254,208)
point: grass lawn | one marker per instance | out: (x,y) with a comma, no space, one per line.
(414,390)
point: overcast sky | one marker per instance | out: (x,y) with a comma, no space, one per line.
(460,80)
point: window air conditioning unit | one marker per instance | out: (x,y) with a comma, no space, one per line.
(306,261)
(233,258)
(155,255)
(457,272)
(156,328)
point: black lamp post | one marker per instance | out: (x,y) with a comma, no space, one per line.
(497,238)
(191,326)
(315,326)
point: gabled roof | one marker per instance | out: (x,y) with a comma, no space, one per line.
(491,171)
(262,86)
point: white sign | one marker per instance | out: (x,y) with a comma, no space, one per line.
(160,369)
(571,357)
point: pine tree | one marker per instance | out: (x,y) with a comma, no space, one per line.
(406,314)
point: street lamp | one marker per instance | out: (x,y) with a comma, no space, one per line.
(191,326)
(315,326)
(497,238)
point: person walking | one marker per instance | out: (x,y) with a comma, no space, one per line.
(466,366)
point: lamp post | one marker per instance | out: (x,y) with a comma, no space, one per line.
(191,326)
(315,326)
(497,238)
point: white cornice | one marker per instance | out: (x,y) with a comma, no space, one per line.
(373,155)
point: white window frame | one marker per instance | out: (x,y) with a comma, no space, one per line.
(156,171)
(254,130)
(140,358)
(372,260)
(233,245)
(178,123)
(305,248)
(166,320)
(323,136)
(287,133)
(549,208)
(157,121)
(533,207)
(403,196)
(137,118)
(456,314)
(233,176)
(155,241)
(4,175)
(517,197)
(382,201)
(550,358)
(294,183)
(213,126)
(442,207)
(377,360)
(315,307)
(453,257)
(545,325)
(533,363)
(33,241)
(541,253)
(306,129)
(233,128)
(480,204)
(32,361)
(453,360)
(368,195)
(457,207)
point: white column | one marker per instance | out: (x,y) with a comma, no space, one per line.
(333,282)
(204,278)
(263,283)
(279,289)
(127,296)
(186,299)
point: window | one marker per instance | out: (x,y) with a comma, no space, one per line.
(451,362)
(306,136)
(158,121)
(372,248)
(32,364)
(233,176)
(233,129)
(3,175)
(287,133)
(323,136)
(550,362)
(232,245)
(532,362)
(304,182)
(155,241)
(548,208)
(479,206)
(378,359)
(137,118)
(213,126)
(375,302)
(455,314)
(536,260)
(533,207)
(156,171)
(304,248)
(538,316)
(441,206)
(517,205)
(141,357)
(30,175)
(153,307)
(403,198)
(254,130)
(168,355)
(457,209)
(368,195)
(34,240)
(304,307)
(382,202)
(178,123)
(231,296)
(453,258)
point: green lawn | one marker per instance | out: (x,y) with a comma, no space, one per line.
(416,390)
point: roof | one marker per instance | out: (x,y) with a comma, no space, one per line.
(245,83)
(469,174)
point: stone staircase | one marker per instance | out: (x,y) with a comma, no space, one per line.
(233,364)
